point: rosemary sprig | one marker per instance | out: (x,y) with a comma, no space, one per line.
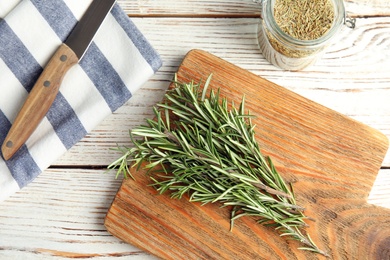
(208,151)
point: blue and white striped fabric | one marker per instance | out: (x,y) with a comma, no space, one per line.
(117,63)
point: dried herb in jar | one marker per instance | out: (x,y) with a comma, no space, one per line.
(304,19)
(293,34)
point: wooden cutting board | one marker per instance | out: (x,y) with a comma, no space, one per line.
(331,160)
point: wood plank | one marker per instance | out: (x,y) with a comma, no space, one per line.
(232,8)
(60,216)
(332,161)
(380,193)
(191,8)
(352,77)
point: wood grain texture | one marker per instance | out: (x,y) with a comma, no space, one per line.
(351,78)
(232,8)
(39,100)
(60,215)
(331,160)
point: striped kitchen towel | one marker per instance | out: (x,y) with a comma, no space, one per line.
(117,63)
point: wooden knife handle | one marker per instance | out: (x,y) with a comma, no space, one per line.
(39,100)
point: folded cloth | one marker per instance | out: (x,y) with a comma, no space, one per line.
(117,63)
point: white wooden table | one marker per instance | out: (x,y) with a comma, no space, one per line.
(61,214)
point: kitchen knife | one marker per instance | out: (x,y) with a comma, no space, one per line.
(47,86)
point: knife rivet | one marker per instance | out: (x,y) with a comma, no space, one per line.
(9,144)
(46,83)
(63,57)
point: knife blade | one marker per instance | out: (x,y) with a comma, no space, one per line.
(47,86)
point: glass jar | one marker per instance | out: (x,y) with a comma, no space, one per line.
(290,53)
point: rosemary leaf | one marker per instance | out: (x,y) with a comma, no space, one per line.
(210,153)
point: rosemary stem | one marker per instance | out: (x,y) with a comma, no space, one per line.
(210,153)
